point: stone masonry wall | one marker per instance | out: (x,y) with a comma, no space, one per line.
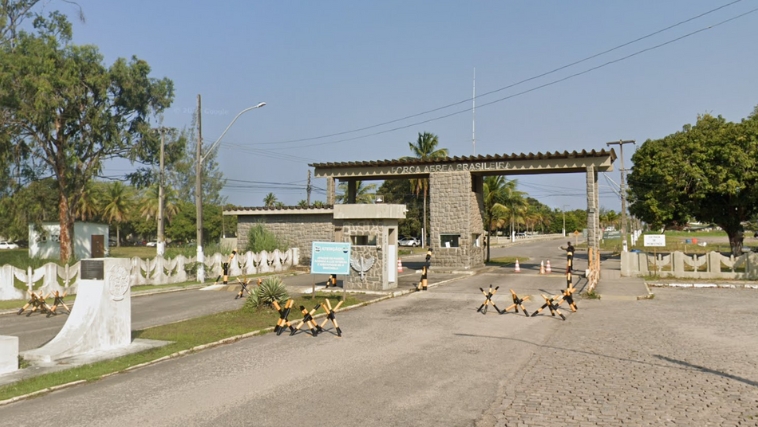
(450,210)
(297,231)
(374,279)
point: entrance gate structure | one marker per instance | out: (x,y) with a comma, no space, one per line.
(456,192)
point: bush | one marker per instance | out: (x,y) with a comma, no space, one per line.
(259,239)
(272,289)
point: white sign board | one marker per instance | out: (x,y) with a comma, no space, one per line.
(655,240)
(330,258)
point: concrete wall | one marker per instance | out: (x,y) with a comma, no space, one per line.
(375,278)
(295,230)
(712,265)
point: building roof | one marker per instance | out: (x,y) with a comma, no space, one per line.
(287,210)
(480,158)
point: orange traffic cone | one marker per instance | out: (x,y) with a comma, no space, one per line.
(517,269)
(548,270)
(399,266)
(542,267)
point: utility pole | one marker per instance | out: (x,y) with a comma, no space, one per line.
(308,189)
(199,195)
(161,238)
(621,143)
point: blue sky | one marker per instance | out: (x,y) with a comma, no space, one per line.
(334,66)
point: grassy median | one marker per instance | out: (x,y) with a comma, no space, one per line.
(184,336)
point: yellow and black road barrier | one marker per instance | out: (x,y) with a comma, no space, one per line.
(308,320)
(243,287)
(283,314)
(568,296)
(58,301)
(331,281)
(36,302)
(487,302)
(423,282)
(225,268)
(327,305)
(517,302)
(552,304)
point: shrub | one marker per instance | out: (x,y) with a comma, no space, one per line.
(272,289)
(259,239)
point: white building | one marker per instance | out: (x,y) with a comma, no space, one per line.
(90,240)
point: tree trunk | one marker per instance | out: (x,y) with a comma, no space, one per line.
(489,237)
(736,239)
(118,236)
(66,223)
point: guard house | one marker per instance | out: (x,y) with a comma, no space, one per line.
(372,230)
(456,192)
(89,240)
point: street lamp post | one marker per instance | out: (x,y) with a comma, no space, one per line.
(161,244)
(198,182)
(563,211)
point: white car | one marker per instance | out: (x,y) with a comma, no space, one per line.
(152,244)
(8,245)
(409,241)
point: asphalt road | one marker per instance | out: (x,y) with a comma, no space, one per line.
(426,359)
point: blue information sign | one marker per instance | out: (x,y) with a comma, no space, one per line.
(330,258)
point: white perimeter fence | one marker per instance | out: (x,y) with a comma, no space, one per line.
(157,271)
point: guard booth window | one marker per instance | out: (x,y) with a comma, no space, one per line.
(449,240)
(363,240)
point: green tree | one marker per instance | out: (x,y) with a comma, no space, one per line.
(180,168)
(34,204)
(117,203)
(270,200)
(72,112)
(707,171)
(425,148)
(495,213)
(398,191)
(363,193)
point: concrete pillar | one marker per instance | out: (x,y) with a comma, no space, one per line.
(8,354)
(593,212)
(330,196)
(352,189)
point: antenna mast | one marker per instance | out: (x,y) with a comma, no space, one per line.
(473,119)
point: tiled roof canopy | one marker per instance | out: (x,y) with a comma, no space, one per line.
(498,164)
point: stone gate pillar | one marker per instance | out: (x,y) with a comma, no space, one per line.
(456,220)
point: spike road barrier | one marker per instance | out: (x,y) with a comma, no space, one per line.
(487,302)
(283,314)
(568,296)
(327,305)
(550,303)
(518,302)
(36,302)
(308,319)
(58,301)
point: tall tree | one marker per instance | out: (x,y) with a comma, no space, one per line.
(180,169)
(72,112)
(495,213)
(425,148)
(707,171)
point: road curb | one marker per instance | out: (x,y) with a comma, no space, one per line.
(201,347)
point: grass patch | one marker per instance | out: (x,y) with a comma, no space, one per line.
(185,335)
(591,295)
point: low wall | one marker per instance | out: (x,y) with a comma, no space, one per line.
(52,277)
(712,265)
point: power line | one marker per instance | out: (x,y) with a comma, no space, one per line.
(504,87)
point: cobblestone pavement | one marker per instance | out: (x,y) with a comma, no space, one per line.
(687,357)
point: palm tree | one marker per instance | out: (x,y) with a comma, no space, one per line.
(425,148)
(270,200)
(363,193)
(87,205)
(148,204)
(117,202)
(495,213)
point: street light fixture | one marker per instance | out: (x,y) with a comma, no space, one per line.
(198,181)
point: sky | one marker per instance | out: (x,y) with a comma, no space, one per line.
(394,69)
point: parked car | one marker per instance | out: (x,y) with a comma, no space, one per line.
(8,245)
(152,243)
(409,241)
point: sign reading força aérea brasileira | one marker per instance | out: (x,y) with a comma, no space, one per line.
(330,258)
